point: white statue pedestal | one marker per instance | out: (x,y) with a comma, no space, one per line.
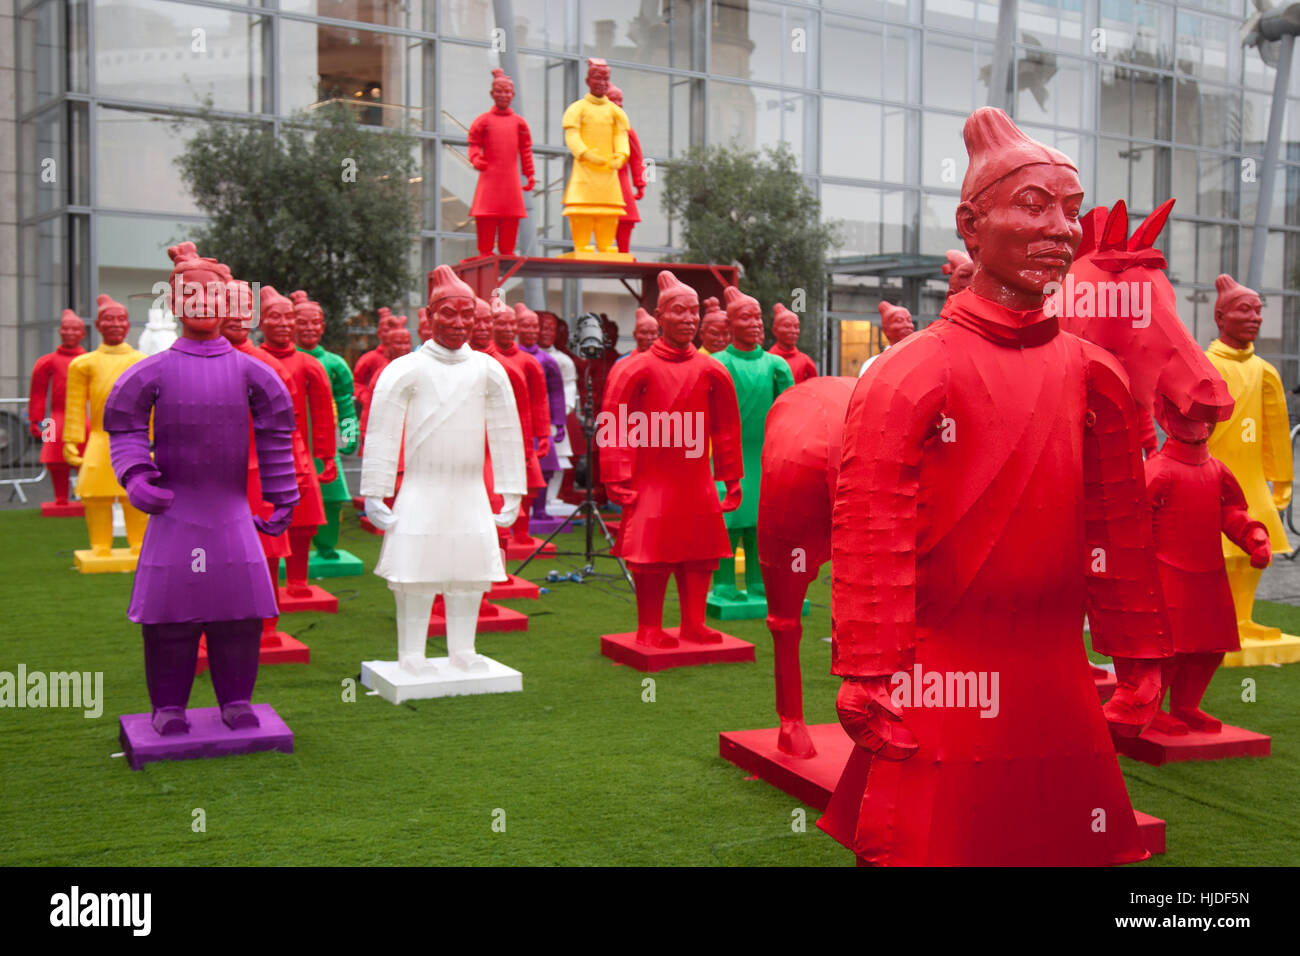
(396,685)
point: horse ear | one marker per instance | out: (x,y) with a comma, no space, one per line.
(1145,235)
(1092,222)
(1115,235)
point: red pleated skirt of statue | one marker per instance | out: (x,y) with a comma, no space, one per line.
(1036,785)
(1202,618)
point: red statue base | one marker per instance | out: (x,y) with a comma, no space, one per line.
(66,509)
(517,550)
(624,649)
(277,648)
(1156,748)
(811,780)
(514,589)
(317,600)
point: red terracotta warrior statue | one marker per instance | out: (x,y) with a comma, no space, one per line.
(631,177)
(785,329)
(1023,443)
(50,374)
(959,269)
(314,414)
(500,146)
(672,518)
(715,332)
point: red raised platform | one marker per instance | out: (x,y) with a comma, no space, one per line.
(368,526)
(492,619)
(623,649)
(1156,748)
(279,648)
(69,509)
(517,551)
(318,600)
(359,503)
(811,780)
(514,589)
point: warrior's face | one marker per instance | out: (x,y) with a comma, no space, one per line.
(504,324)
(746,326)
(278,324)
(113,324)
(206,299)
(545,330)
(1023,231)
(1239,322)
(598,80)
(786,330)
(528,329)
(1178,425)
(503,91)
(398,344)
(896,323)
(714,333)
(453,321)
(679,318)
(239,321)
(71,331)
(481,336)
(308,327)
(645,332)
(561,333)
(961,277)
(425,327)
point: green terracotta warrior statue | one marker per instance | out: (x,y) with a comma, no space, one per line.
(309,326)
(759,377)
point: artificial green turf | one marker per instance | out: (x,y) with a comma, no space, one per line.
(585,770)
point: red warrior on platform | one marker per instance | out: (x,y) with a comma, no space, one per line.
(631,178)
(672,519)
(500,145)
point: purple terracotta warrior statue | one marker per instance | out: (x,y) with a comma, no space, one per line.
(527,332)
(201,569)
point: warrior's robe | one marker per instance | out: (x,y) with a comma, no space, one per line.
(50,373)
(801,366)
(1194,498)
(759,378)
(990,491)
(340,377)
(1255,443)
(364,375)
(529,385)
(503,139)
(569,379)
(278,546)
(445,537)
(313,409)
(677,516)
(554,400)
(200,561)
(594,124)
(90,379)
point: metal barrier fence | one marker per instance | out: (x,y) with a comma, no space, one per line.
(20,452)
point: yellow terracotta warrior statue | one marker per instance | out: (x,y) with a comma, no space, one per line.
(90,378)
(595,130)
(1255,444)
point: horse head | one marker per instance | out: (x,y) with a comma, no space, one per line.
(1117,295)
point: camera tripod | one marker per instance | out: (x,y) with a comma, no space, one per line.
(590,514)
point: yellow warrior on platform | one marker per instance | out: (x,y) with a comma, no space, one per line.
(595,130)
(90,378)
(1255,444)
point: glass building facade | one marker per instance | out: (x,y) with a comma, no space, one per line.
(1151,98)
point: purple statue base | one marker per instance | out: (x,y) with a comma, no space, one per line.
(541,527)
(208,737)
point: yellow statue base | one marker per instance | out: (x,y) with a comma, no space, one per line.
(121,560)
(1254,652)
(599,256)
(740,560)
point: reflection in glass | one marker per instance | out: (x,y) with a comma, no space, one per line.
(956,74)
(661,32)
(134,162)
(879,154)
(871,221)
(376,74)
(1137,32)
(202,52)
(1208,115)
(1135,102)
(754,39)
(868,59)
(1049,87)
(538,23)
(757,117)
(943,153)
